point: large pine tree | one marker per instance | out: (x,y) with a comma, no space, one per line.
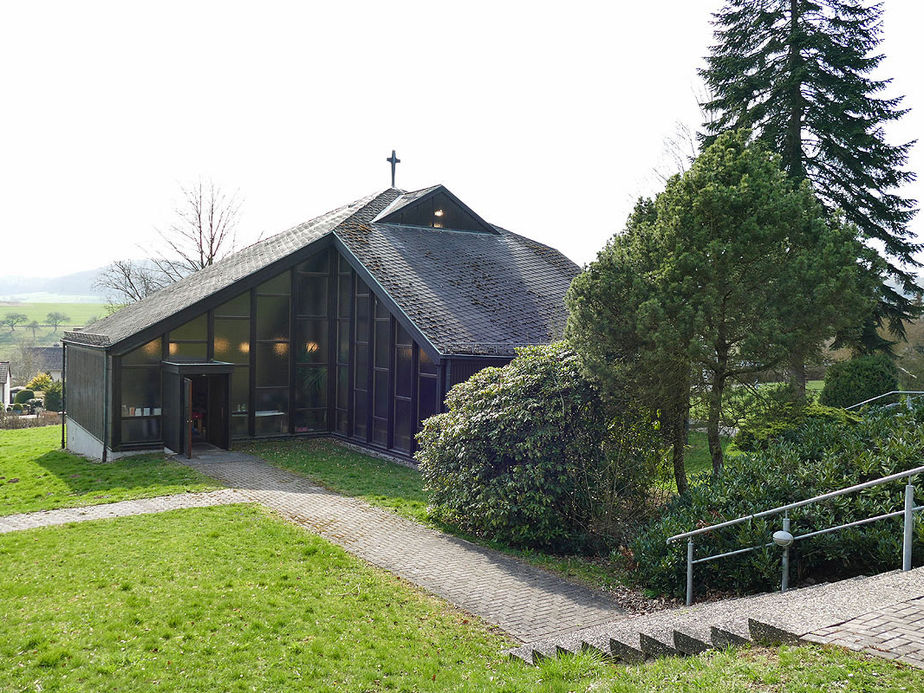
(799,73)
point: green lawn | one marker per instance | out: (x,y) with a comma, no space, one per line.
(79,313)
(698,460)
(234,599)
(35,474)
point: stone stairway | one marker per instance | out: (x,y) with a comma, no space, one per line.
(811,614)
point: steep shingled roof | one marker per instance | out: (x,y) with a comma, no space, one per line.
(468,293)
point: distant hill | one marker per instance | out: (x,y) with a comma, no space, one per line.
(69,288)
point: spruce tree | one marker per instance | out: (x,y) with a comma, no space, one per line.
(799,74)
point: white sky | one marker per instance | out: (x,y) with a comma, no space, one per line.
(546,118)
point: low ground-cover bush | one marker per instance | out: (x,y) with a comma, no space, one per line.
(23,396)
(819,456)
(851,382)
(759,430)
(528,455)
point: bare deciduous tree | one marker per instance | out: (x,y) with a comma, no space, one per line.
(203,233)
(131,280)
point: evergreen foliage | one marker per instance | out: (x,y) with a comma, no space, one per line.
(823,454)
(730,271)
(40,382)
(854,381)
(799,73)
(528,455)
(54,396)
(23,396)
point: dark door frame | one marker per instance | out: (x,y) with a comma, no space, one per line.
(186,370)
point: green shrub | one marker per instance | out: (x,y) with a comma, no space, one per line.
(54,396)
(23,396)
(40,382)
(17,407)
(859,379)
(526,455)
(757,432)
(821,455)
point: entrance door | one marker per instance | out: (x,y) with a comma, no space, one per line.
(197,405)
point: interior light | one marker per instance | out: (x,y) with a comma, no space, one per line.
(244,347)
(222,344)
(438,213)
(311,347)
(281,348)
(173,348)
(152,348)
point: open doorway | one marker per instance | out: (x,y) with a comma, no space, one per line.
(206,412)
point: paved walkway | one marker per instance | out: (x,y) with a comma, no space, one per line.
(527,602)
(141,506)
(894,632)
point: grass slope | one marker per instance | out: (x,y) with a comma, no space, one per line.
(79,313)
(233,599)
(48,477)
(398,488)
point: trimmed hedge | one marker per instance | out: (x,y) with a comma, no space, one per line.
(23,396)
(821,455)
(851,382)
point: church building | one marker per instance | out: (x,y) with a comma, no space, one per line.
(354,325)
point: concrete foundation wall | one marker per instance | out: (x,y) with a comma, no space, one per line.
(82,442)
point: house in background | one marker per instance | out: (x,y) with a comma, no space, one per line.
(6,384)
(47,359)
(354,324)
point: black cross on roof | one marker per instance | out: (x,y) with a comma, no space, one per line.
(393,160)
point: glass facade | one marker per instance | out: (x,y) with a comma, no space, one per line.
(141,396)
(313,350)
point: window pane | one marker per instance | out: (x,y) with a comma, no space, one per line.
(271,416)
(362,367)
(362,319)
(195,329)
(240,390)
(309,420)
(381,312)
(343,341)
(316,263)
(346,291)
(187,351)
(404,371)
(424,364)
(403,425)
(402,337)
(273,317)
(381,394)
(236,307)
(277,285)
(343,387)
(311,386)
(360,413)
(272,364)
(382,342)
(239,426)
(312,296)
(380,431)
(311,342)
(343,422)
(140,430)
(150,353)
(141,391)
(344,265)
(427,400)
(232,340)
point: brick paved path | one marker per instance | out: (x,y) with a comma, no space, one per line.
(141,506)
(894,632)
(528,603)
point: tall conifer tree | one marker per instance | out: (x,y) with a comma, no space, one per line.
(799,74)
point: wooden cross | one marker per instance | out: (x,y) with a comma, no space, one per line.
(393,160)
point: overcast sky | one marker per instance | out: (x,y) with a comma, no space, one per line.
(546,118)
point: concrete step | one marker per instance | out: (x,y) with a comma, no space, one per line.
(771,618)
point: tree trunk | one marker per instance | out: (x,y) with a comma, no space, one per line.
(792,147)
(678,452)
(797,377)
(712,427)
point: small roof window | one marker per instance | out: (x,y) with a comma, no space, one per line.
(435,208)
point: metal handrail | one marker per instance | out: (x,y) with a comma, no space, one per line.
(885,394)
(784,539)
